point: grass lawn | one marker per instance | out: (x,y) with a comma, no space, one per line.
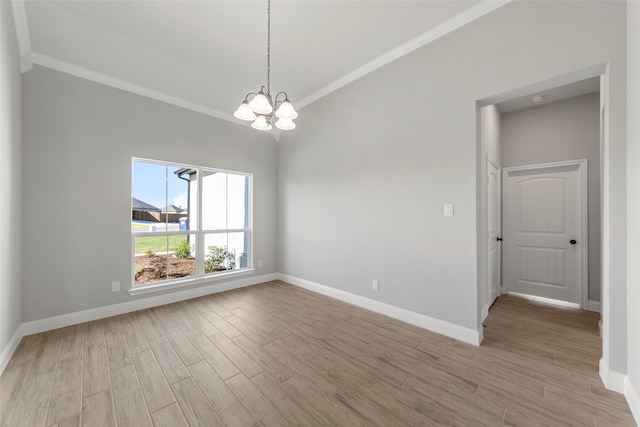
(156,243)
(136,226)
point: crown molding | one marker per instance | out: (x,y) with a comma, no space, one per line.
(28,58)
(22,34)
(87,74)
(458,21)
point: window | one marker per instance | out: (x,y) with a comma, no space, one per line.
(188,222)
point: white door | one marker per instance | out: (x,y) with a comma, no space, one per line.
(544,233)
(494,227)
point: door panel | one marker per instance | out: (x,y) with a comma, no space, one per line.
(543,213)
(542,205)
(494,210)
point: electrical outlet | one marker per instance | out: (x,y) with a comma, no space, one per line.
(260,263)
(115,286)
(376,285)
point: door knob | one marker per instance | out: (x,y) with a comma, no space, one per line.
(499,239)
(573,242)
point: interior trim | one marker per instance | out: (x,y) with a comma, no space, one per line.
(11,346)
(87,74)
(22,34)
(77,317)
(633,398)
(463,18)
(470,336)
(611,379)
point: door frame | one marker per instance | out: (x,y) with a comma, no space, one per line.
(582,165)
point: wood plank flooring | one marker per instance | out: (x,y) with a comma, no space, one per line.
(276,355)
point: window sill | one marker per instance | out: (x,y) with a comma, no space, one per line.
(177,284)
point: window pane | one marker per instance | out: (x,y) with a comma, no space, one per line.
(148,196)
(238,250)
(150,259)
(150,245)
(183,195)
(214,200)
(226,251)
(215,257)
(237,201)
(176,211)
(181,261)
(160,258)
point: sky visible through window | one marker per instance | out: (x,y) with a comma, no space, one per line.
(149,183)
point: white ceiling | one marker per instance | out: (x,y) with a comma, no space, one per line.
(207,55)
(560,93)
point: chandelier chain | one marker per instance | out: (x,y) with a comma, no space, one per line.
(268,46)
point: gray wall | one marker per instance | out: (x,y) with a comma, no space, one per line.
(10,184)
(563,130)
(633,186)
(363,178)
(78,142)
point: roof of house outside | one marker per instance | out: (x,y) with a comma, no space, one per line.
(139,205)
(172,209)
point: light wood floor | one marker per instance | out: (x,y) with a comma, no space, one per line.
(276,355)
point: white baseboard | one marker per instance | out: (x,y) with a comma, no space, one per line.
(611,379)
(633,399)
(68,319)
(461,333)
(485,312)
(55,322)
(11,346)
(594,306)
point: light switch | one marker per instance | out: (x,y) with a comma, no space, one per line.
(448,209)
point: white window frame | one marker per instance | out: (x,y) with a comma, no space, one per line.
(200,276)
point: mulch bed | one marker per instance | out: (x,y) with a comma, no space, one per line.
(154,268)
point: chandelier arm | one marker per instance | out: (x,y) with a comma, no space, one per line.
(276,101)
(246,98)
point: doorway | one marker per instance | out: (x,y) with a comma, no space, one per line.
(548,122)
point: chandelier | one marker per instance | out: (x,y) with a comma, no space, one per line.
(261,107)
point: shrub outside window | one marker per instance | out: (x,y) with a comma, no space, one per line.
(188,222)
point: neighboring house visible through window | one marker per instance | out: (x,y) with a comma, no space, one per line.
(201,228)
